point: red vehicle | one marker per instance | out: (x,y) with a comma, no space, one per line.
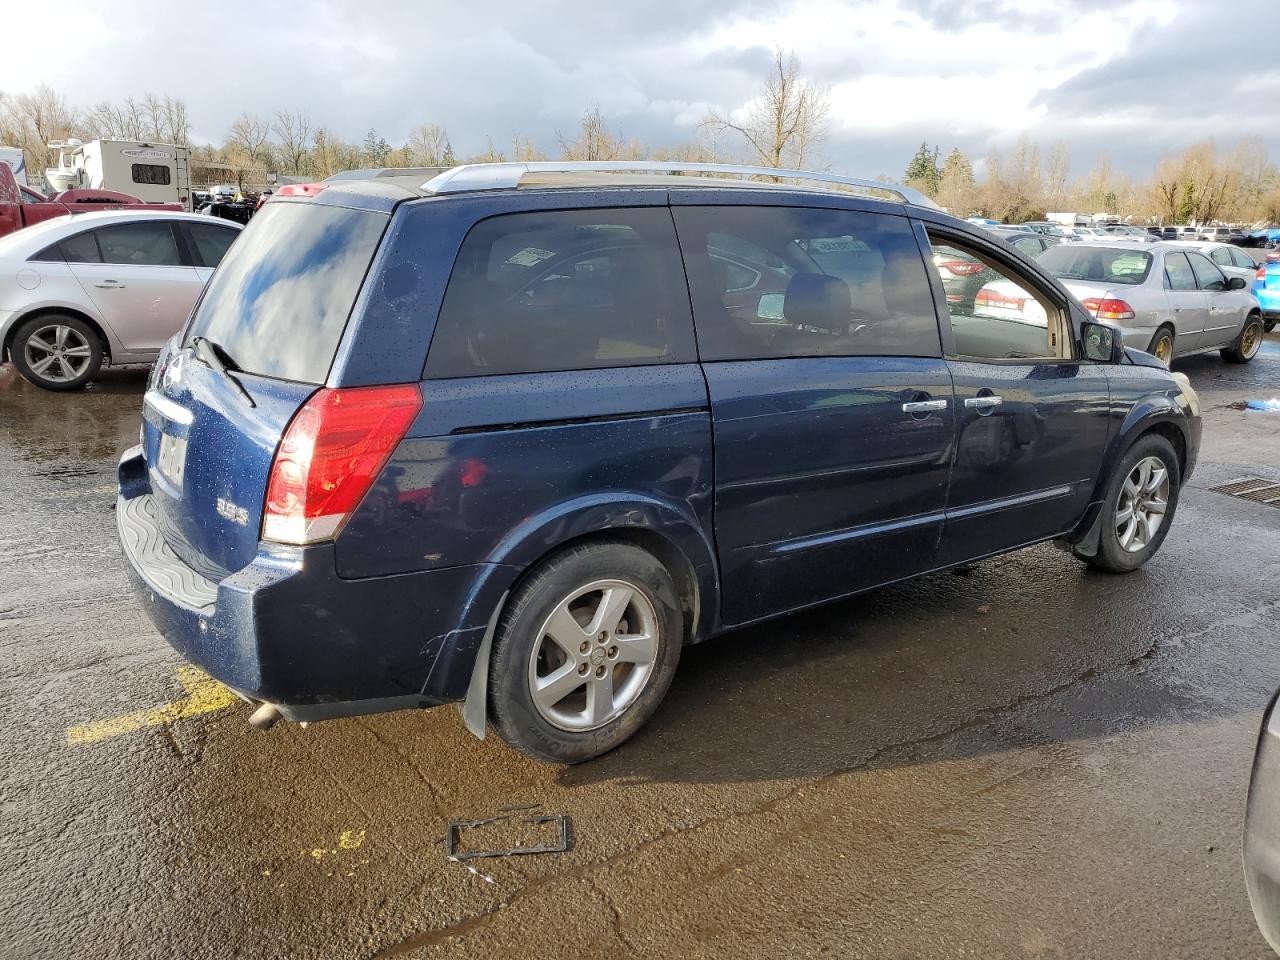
(21,206)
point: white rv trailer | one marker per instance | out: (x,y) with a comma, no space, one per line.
(152,172)
(17,161)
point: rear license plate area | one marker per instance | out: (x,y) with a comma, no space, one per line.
(171,460)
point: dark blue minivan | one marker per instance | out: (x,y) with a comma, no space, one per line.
(513,437)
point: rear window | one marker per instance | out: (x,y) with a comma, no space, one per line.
(564,290)
(281,297)
(1069,262)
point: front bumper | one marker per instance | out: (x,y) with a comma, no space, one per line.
(287,630)
(1262,830)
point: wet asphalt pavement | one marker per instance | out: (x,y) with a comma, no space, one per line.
(1022,760)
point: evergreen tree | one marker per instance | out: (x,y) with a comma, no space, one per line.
(376,149)
(922,172)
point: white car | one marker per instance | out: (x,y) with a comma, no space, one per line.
(106,287)
(1167,300)
(1230,259)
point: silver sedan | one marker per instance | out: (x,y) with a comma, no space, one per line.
(1168,300)
(111,287)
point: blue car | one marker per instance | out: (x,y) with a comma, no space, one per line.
(1266,287)
(514,436)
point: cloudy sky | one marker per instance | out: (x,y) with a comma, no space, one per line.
(1129,77)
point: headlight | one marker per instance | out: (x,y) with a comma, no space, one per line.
(1184,384)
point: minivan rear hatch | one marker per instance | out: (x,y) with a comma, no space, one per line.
(271,319)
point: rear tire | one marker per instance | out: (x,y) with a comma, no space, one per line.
(1246,345)
(1161,345)
(1128,538)
(56,352)
(584,652)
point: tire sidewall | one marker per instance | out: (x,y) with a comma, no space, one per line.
(1115,557)
(18,353)
(1238,347)
(511,706)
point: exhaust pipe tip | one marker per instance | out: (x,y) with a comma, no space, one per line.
(265,717)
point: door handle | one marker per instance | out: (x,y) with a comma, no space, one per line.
(110,285)
(983,403)
(924,406)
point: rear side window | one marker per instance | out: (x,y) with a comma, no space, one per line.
(564,290)
(209,243)
(1177,273)
(281,297)
(82,248)
(139,245)
(831,283)
(1074,262)
(1220,255)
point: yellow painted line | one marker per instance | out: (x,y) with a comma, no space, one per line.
(204,695)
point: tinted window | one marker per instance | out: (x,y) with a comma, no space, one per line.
(995,315)
(209,243)
(832,283)
(139,244)
(564,290)
(1206,273)
(1071,262)
(82,248)
(282,295)
(151,173)
(50,254)
(1177,272)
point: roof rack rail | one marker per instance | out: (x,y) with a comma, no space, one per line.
(506,176)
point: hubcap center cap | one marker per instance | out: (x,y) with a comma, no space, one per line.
(597,656)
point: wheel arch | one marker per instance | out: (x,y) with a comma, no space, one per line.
(45,311)
(672,534)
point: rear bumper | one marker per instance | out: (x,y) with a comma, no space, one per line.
(287,630)
(1262,830)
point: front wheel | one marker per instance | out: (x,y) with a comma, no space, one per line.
(585,652)
(1138,506)
(56,352)
(1246,345)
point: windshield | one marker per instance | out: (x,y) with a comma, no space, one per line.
(1097,264)
(278,303)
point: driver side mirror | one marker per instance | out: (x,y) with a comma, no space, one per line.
(1103,343)
(1236,283)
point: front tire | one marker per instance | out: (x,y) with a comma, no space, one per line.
(1139,502)
(56,352)
(585,652)
(1247,344)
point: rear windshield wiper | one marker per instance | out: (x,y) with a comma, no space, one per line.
(212,355)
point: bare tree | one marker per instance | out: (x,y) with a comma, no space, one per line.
(251,134)
(595,141)
(31,120)
(293,137)
(787,123)
(428,145)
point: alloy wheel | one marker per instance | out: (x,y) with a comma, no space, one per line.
(594,655)
(1251,339)
(1142,503)
(1164,348)
(57,353)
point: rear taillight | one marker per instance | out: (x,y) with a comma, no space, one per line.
(332,452)
(1106,308)
(961,268)
(991,298)
(1261,274)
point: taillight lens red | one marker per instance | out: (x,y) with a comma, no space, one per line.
(1107,308)
(961,268)
(1261,274)
(992,298)
(332,452)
